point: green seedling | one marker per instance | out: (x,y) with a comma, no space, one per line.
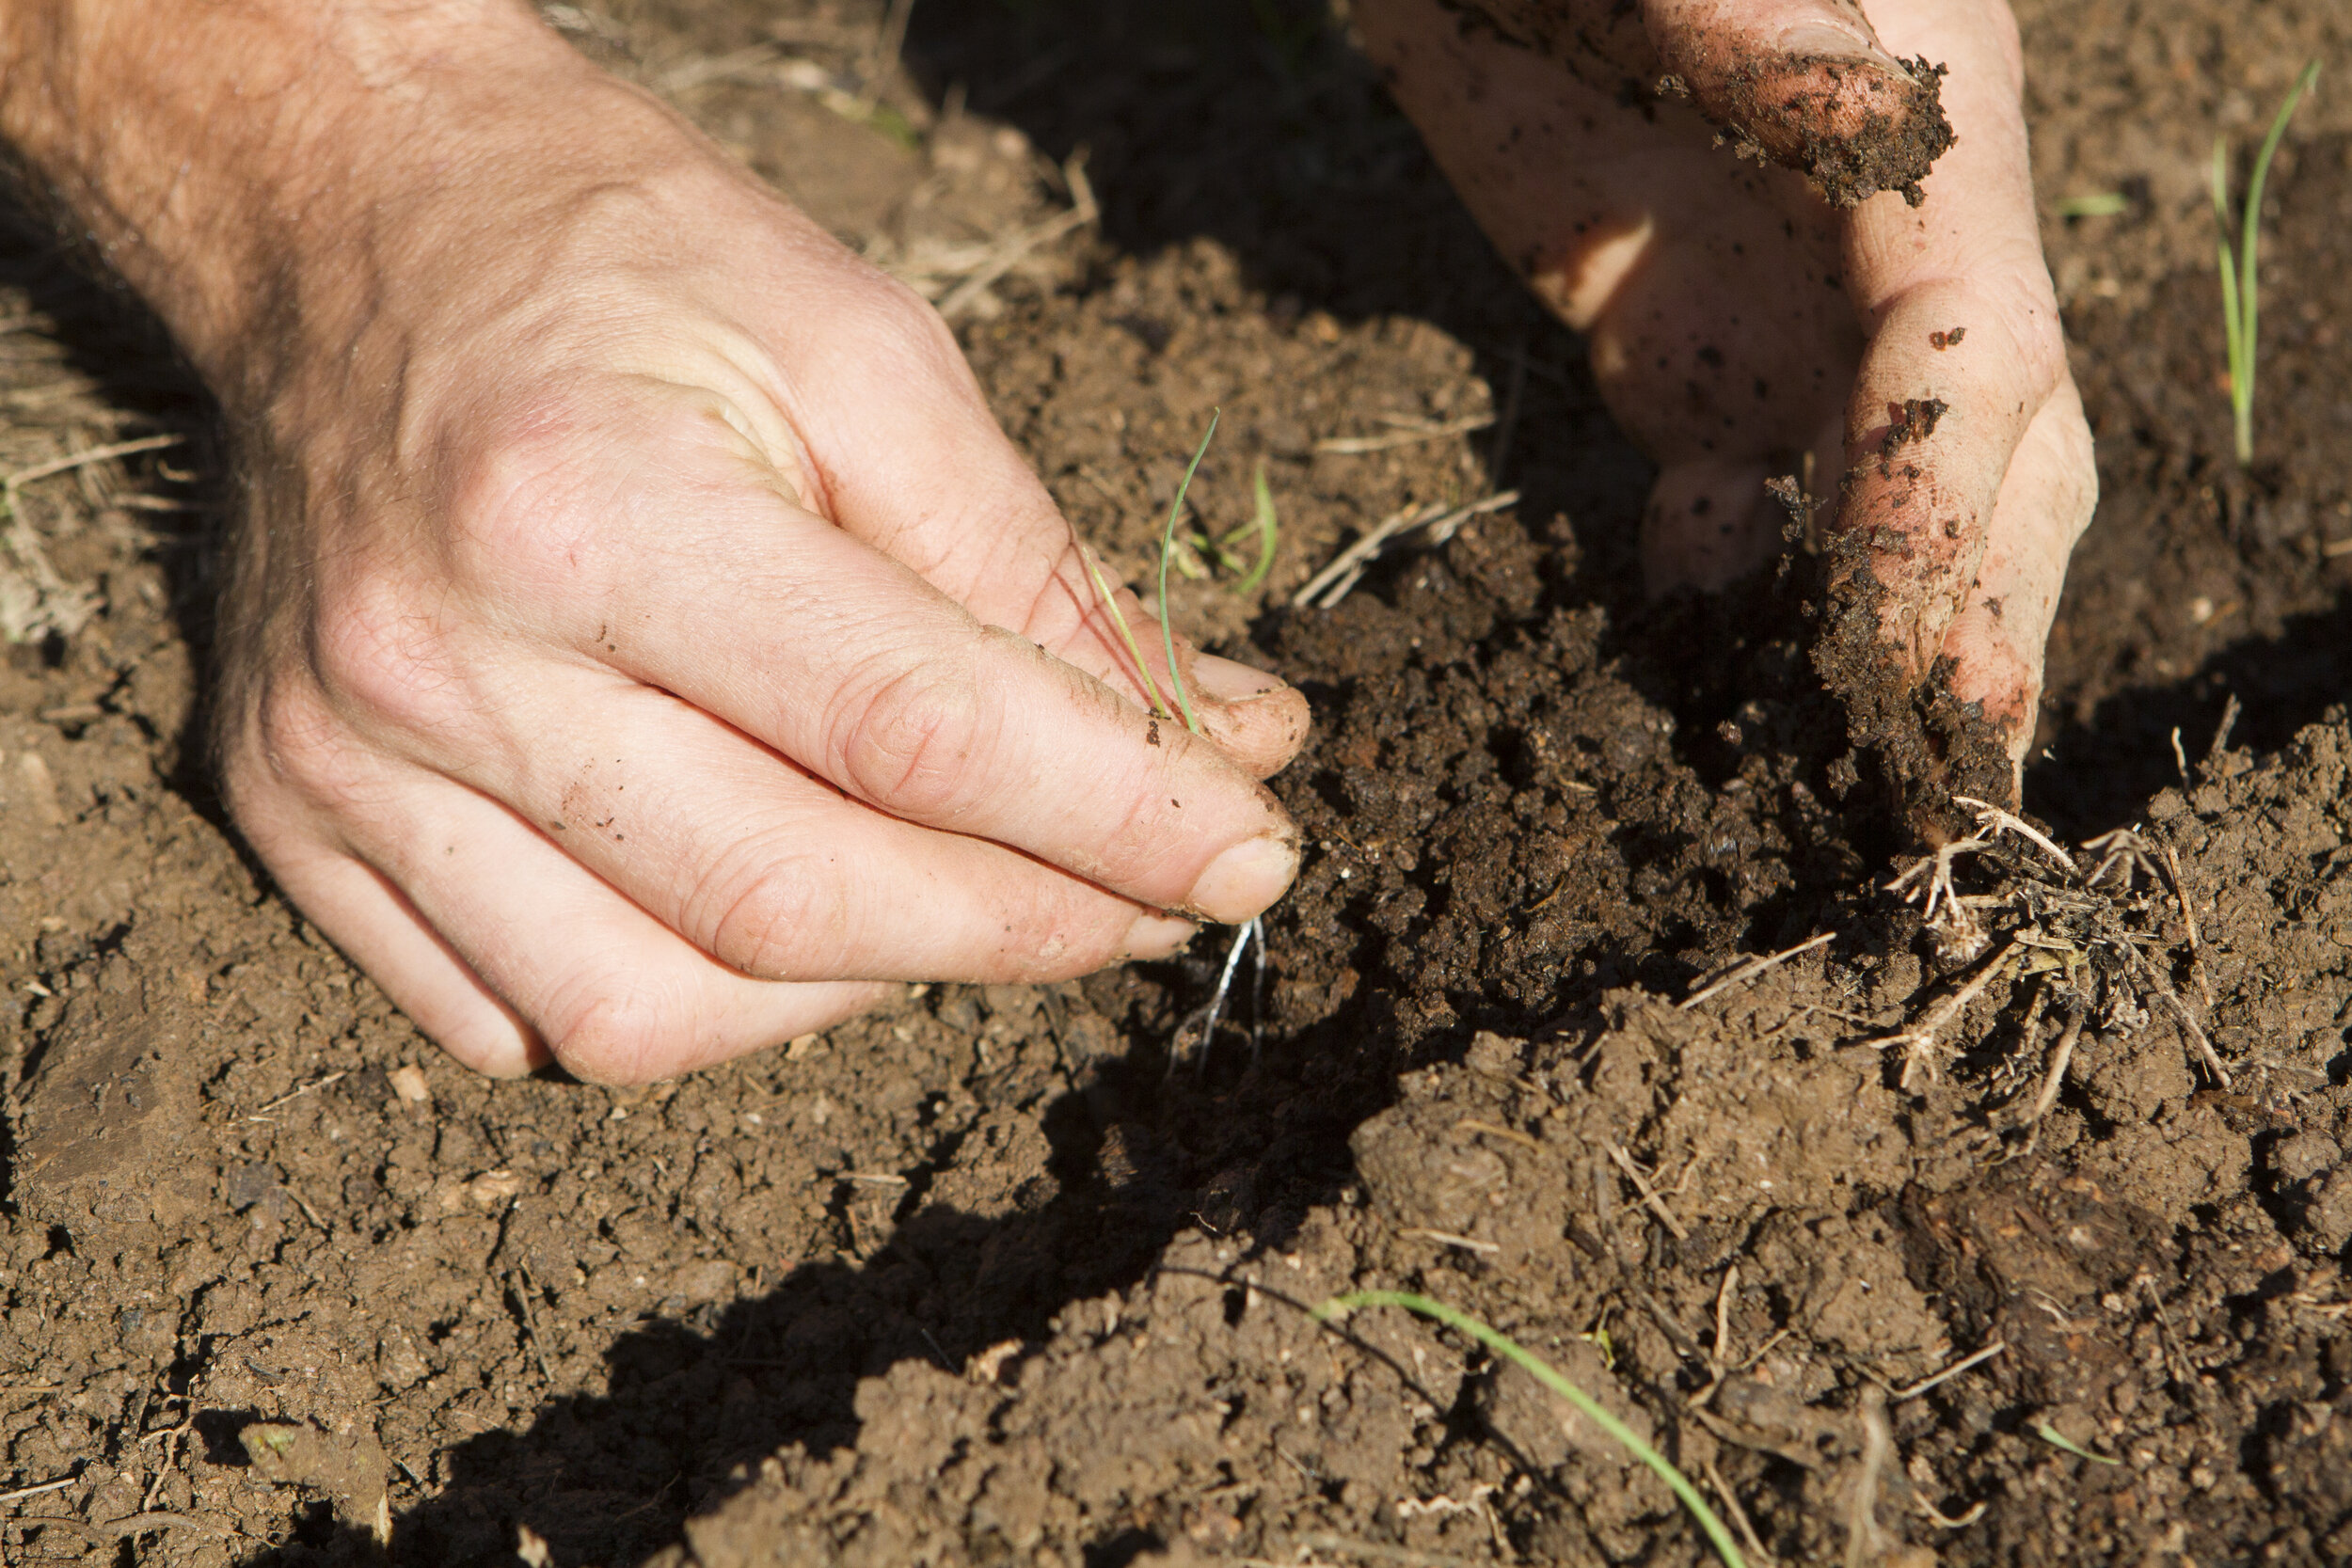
(1248,929)
(1168,551)
(2057,1439)
(2240,285)
(1103,594)
(1543,1372)
(2096,204)
(1109,601)
(1269,532)
(1264,523)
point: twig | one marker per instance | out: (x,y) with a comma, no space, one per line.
(1990,815)
(2219,747)
(1471,1124)
(80,459)
(1327,588)
(1363,551)
(1449,1239)
(890,38)
(531,1321)
(1722,1316)
(171,1460)
(1898,1395)
(1878,1446)
(297,1094)
(1739,1516)
(1919,1039)
(46,1486)
(1749,970)
(300,1202)
(2061,1056)
(2188,918)
(1408,434)
(1010,252)
(1650,1196)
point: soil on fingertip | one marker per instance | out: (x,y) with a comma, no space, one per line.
(1854,130)
(1006,1274)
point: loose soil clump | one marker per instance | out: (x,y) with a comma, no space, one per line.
(1000,1275)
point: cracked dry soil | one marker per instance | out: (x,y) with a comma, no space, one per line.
(981,1280)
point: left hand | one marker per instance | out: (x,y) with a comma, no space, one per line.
(1738,318)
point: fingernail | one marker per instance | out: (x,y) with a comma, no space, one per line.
(1817,39)
(1157,936)
(1229,682)
(1243,880)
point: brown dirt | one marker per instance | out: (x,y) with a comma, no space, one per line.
(983,1279)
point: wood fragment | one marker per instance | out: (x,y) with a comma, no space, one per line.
(1448,1238)
(88,455)
(1471,1124)
(1405,435)
(1898,1395)
(1650,1196)
(1749,970)
(46,1486)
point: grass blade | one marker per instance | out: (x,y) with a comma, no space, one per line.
(1167,551)
(1269,532)
(1543,1372)
(2241,286)
(1119,620)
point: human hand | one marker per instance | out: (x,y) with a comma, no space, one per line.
(643,645)
(1740,320)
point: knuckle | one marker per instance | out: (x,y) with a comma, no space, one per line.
(918,739)
(378,653)
(785,915)
(296,740)
(2026,311)
(514,506)
(625,1036)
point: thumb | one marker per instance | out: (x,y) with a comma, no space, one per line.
(1808,83)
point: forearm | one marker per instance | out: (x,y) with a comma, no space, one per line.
(244,164)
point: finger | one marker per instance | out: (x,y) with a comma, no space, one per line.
(489,914)
(1964,344)
(1995,644)
(775,873)
(1708,524)
(1807,81)
(974,521)
(380,930)
(764,616)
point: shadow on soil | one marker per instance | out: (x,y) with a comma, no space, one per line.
(611,1478)
(2105,769)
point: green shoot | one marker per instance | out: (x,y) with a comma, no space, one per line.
(2240,285)
(1269,532)
(2096,204)
(1503,1344)
(2057,1439)
(1167,551)
(1103,597)
(1265,525)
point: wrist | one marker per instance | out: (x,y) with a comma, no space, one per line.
(255,169)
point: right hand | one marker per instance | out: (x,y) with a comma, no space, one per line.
(644,647)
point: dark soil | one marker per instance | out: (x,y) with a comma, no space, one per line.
(1021,1276)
